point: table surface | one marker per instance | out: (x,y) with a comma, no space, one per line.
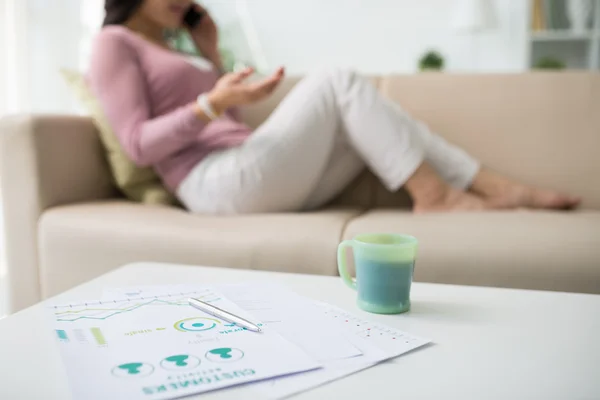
(489,343)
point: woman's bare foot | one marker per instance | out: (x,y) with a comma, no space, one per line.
(502,192)
(451,200)
(431,194)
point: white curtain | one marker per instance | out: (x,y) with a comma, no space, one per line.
(12,28)
(37,39)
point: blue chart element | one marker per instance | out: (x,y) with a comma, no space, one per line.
(132,370)
(180,362)
(196,324)
(224,354)
(62,335)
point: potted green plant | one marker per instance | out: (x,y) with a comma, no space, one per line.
(549,63)
(431,61)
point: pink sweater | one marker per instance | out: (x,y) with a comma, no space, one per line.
(146,92)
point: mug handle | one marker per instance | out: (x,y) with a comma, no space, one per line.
(342,260)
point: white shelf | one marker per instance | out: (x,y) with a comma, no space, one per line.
(560,35)
(576,50)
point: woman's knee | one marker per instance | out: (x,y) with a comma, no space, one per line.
(332,74)
(337,78)
(339,73)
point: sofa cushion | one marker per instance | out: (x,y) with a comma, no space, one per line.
(99,237)
(522,249)
(136,183)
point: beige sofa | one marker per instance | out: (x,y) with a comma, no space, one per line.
(66,224)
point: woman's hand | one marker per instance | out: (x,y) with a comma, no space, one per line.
(231,90)
(206,37)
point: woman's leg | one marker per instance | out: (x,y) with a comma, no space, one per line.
(453,164)
(463,172)
(397,148)
(344,165)
(287,163)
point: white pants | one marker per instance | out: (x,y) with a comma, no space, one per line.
(321,136)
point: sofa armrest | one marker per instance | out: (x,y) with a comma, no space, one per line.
(45,161)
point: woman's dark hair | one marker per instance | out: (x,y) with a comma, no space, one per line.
(119,11)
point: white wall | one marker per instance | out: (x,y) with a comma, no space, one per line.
(372,36)
(381,36)
(54,40)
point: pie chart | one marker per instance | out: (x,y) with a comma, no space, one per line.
(196,324)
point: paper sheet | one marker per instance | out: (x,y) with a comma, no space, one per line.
(301,320)
(158,347)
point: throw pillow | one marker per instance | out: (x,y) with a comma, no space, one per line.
(137,184)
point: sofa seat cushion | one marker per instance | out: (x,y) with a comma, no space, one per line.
(101,236)
(522,249)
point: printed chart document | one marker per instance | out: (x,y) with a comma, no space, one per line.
(159,347)
(309,324)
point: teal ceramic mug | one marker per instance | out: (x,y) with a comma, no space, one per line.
(384,270)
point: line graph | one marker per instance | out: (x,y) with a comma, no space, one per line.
(95,311)
(114,309)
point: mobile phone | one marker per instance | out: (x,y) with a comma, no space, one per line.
(192,18)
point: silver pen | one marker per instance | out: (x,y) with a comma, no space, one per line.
(224,315)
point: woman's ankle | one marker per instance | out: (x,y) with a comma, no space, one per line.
(488,183)
(425,186)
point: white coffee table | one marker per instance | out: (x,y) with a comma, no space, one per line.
(490,343)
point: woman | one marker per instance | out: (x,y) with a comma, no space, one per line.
(175,114)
